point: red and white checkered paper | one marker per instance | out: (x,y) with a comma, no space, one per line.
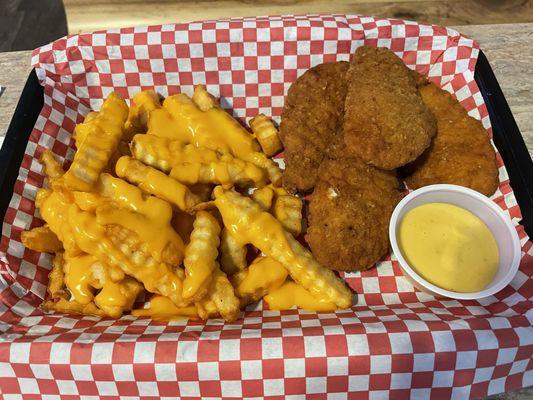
(395,343)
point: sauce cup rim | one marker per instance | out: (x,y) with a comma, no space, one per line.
(484,202)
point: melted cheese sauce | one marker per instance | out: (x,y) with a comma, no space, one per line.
(291,295)
(449,247)
(264,274)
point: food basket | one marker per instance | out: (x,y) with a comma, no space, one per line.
(396,342)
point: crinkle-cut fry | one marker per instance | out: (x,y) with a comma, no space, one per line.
(95,151)
(232,253)
(285,207)
(56,279)
(148,216)
(41,239)
(288,210)
(163,153)
(72,307)
(125,252)
(219,131)
(85,274)
(142,105)
(264,197)
(201,256)
(203,99)
(52,168)
(267,134)
(155,182)
(163,309)
(220,299)
(227,172)
(54,206)
(247,220)
(254,282)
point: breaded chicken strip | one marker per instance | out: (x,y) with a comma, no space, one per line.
(386,123)
(349,214)
(460,154)
(310,120)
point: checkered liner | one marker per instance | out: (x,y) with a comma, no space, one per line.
(395,343)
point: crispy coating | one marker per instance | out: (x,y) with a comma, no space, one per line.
(311,118)
(461,152)
(349,214)
(386,123)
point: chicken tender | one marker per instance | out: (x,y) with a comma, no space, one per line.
(461,152)
(349,216)
(310,120)
(386,123)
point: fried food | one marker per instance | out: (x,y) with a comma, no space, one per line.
(220,299)
(386,123)
(142,105)
(123,249)
(267,135)
(163,153)
(201,256)
(97,147)
(251,224)
(116,237)
(287,208)
(41,239)
(227,172)
(181,119)
(56,278)
(461,153)
(311,118)
(155,182)
(349,216)
(203,99)
(232,253)
(52,169)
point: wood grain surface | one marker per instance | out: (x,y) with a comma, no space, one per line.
(87,15)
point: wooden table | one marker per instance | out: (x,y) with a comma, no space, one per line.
(509,49)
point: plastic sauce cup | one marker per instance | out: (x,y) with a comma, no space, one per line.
(499,224)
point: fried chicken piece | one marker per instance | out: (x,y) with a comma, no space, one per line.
(349,214)
(461,152)
(310,120)
(386,123)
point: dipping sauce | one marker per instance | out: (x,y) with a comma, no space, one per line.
(449,247)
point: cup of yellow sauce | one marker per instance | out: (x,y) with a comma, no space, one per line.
(451,241)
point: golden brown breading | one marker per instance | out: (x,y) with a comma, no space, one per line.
(386,123)
(311,118)
(460,154)
(349,214)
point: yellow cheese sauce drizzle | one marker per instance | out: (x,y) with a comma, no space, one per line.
(449,247)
